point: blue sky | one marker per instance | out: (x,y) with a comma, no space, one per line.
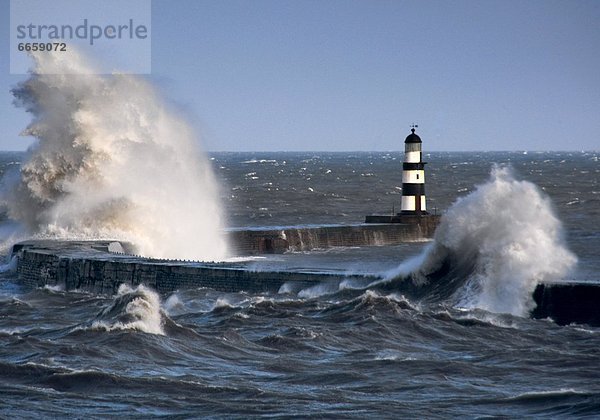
(257,75)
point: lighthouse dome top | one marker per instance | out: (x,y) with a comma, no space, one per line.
(413,138)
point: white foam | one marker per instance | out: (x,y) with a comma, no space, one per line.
(55,288)
(112,161)
(519,240)
(13,331)
(144,310)
(11,266)
(548,393)
(407,267)
(393,355)
(508,230)
(321,289)
(173,304)
(286,288)
(11,232)
(223,302)
(245,258)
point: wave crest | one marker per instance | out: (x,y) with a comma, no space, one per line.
(133,309)
(494,246)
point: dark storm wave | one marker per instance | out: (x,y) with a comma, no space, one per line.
(245,354)
(489,252)
(73,381)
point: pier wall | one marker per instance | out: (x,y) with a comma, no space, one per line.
(37,268)
(566,303)
(54,263)
(258,241)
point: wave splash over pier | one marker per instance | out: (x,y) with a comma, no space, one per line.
(491,250)
(112,160)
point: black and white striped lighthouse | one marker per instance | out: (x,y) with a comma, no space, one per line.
(413,177)
(414,206)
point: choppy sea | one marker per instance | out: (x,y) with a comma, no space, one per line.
(337,354)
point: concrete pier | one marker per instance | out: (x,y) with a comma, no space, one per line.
(101,266)
(90,266)
(305,238)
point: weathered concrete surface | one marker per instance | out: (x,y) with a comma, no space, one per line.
(89,266)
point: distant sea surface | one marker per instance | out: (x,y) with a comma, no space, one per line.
(344,354)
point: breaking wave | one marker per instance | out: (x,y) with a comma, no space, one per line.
(491,249)
(111,161)
(133,309)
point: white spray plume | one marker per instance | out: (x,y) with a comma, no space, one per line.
(113,161)
(494,246)
(509,228)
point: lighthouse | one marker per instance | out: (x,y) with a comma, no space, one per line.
(413,177)
(413,210)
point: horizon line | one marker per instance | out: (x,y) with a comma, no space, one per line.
(383,151)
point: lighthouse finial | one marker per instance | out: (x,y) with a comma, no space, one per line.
(412,127)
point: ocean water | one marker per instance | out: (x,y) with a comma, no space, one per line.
(344,352)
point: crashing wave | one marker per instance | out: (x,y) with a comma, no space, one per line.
(111,161)
(491,249)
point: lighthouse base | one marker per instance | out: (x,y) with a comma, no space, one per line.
(424,218)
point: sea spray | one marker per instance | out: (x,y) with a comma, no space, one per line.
(112,161)
(495,245)
(133,309)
